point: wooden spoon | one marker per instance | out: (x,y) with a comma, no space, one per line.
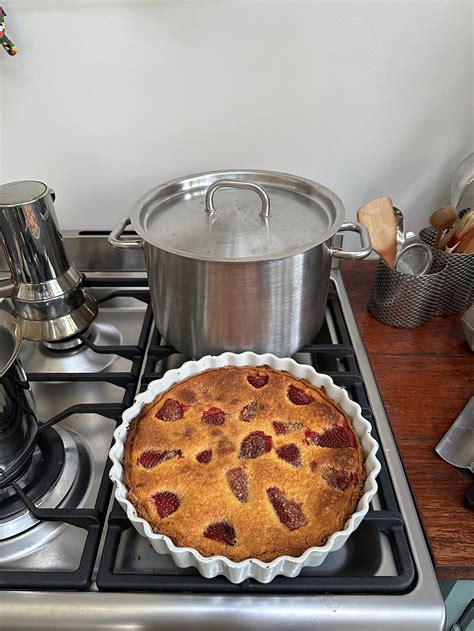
(441,219)
(379,218)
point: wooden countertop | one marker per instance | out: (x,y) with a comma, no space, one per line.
(425,377)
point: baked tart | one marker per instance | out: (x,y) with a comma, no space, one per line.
(244,462)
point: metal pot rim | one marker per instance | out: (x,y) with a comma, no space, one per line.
(298,182)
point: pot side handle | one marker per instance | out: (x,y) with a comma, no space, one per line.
(116,241)
(366,246)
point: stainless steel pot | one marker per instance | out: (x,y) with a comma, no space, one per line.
(18,423)
(230,271)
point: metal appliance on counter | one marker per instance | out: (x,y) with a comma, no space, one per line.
(46,290)
(457,445)
(69,557)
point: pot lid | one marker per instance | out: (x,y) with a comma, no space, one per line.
(238,215)
(10,340)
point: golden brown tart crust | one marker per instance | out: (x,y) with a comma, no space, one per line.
(245,463)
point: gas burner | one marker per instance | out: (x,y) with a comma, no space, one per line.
(38,476)
(66,345)
(59,476)
(73,354)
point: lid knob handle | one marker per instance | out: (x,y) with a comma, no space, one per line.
(261,192)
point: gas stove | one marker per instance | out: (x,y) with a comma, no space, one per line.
(68,555)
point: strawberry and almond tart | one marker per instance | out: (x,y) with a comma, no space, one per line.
(245,463)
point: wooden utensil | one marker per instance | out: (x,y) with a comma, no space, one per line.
(457,232)
(466,244)
(379,219)
(442,219)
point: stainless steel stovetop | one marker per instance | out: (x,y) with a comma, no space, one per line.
(383,578)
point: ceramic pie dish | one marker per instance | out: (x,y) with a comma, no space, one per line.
(237,571)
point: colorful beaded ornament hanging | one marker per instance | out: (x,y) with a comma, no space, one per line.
(7,43)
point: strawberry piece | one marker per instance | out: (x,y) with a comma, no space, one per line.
(339,479)
(166,503)
(337,437)
(282,427)
(239,484)
(249,412)
(213,416)
(204,457)
(172,410)
(254,445)
(298,397)
(222,531)
(288,511)
(258,381)
(151,458)
(311,438)
(290,453)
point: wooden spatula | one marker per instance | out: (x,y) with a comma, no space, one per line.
(379,219)
(441,220)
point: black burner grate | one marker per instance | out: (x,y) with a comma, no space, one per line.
(92,520)
(43,476)
(338,361)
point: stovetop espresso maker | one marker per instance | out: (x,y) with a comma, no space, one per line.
(46,290)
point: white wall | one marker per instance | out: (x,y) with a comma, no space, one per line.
(109,98)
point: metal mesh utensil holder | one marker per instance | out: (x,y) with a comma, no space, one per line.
(458,282)
(407,301)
